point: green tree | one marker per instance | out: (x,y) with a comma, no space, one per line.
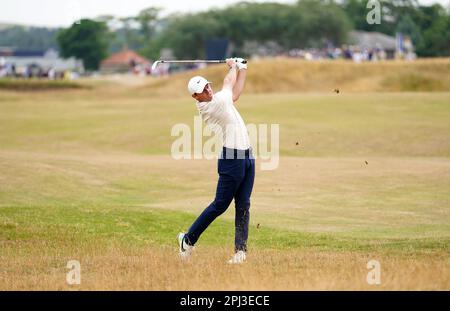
(86,40)
(31,38)
(308,23)
(129,33)
(357,12)
(323,21)
(187,34)
(407,26)
(426,15)
(147,19)
(436,39)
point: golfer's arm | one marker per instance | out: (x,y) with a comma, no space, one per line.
(230,79)
(239,85)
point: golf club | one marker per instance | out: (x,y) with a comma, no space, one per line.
(191,61)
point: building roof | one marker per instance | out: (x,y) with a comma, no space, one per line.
(44,59)
(372,40)
(125,57)
(8,51)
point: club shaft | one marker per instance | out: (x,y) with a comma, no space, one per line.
(190,61)
(193,61)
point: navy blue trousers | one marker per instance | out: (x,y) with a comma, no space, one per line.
(236,170)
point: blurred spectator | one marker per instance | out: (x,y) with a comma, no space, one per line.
(51,74)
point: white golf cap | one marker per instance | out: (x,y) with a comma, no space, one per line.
(197,84)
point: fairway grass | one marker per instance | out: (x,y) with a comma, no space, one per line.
(115,266)
(37,84)
(136,249)
(87,175)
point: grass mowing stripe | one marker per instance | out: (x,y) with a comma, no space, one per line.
(136,227)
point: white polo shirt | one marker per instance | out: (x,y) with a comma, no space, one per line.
(221,116)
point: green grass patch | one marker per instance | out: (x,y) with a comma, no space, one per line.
(135,227)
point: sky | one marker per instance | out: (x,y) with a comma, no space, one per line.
(56,13)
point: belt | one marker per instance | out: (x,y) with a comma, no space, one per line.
(229,153)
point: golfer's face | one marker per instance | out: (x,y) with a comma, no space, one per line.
(206,95)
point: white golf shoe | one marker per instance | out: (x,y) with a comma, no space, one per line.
(238,258)
(185,249)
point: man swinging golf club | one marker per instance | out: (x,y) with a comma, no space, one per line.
(236,165)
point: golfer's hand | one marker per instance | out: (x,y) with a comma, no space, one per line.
(231,62)
(239,63)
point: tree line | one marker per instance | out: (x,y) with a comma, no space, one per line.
(305,24)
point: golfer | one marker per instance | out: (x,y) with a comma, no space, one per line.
(236,165)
